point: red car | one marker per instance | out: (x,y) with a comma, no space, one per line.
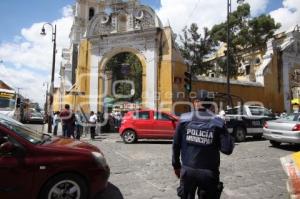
(147,124)
(34,165)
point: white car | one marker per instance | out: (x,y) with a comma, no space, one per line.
(283,130)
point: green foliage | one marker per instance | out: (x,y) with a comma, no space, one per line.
(194,47)
(245,33)
(134,74)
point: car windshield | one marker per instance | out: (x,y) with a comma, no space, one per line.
(21,130)
(291,117)
(260,111)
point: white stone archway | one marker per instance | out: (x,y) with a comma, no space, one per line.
(108,37)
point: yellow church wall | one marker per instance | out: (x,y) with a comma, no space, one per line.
(56,100)
(165,86)
(82,82)
(165,77)
(82,76)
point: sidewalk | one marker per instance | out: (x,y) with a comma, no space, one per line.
(84,136)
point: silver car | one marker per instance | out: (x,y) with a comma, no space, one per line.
(283,130)
(35,117)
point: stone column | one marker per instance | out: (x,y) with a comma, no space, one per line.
(94,83)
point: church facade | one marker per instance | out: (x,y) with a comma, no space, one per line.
(102,29)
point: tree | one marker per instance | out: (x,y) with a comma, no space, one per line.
(194,47)
(246,33)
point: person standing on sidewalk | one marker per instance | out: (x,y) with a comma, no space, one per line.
(199,138)
(68,121)
(56,121)
(93,121)
(78,123)
(65,116)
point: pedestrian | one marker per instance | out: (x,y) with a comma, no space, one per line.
(117,119)
(283,114)
(199,138)
(78,124)
(93,121)
(56,121)
(72,126)
(68,121)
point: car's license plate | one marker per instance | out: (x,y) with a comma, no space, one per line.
(276,133)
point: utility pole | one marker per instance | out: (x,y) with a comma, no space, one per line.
(46,99)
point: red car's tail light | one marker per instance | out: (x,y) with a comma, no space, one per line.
(266,125)
(296,127)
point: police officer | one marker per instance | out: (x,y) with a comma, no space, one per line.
(199,138)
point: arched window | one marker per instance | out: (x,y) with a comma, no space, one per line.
(91,13)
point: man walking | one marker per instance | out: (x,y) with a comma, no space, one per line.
(199,137)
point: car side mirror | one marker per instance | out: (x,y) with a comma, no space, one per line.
(7,147)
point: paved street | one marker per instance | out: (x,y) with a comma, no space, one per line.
(143,170)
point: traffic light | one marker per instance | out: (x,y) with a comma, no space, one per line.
(188,82)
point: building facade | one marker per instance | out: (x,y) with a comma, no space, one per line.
(102,29)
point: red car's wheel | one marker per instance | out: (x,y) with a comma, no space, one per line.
(129,137)
(65,186)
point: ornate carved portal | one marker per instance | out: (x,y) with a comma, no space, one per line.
(124,27)
(122,17)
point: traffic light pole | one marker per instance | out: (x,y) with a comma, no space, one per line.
(188,82)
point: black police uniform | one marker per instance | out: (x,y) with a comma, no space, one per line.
(199,137)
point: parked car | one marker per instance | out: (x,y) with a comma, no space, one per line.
(35,117)
(247,120)
(35,165)
(147,124)
(283,130)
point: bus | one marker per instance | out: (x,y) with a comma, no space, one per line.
(10,104)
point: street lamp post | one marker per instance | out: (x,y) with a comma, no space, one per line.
(228,51)
(50,110)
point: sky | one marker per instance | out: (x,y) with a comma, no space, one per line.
(26,56)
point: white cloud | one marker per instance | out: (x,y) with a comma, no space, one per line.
(288,15)
(205,13)
(30,49)
(29,82)
(31,54)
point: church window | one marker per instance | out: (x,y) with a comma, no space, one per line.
(247,69)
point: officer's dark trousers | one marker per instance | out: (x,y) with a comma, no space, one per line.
(205,180)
